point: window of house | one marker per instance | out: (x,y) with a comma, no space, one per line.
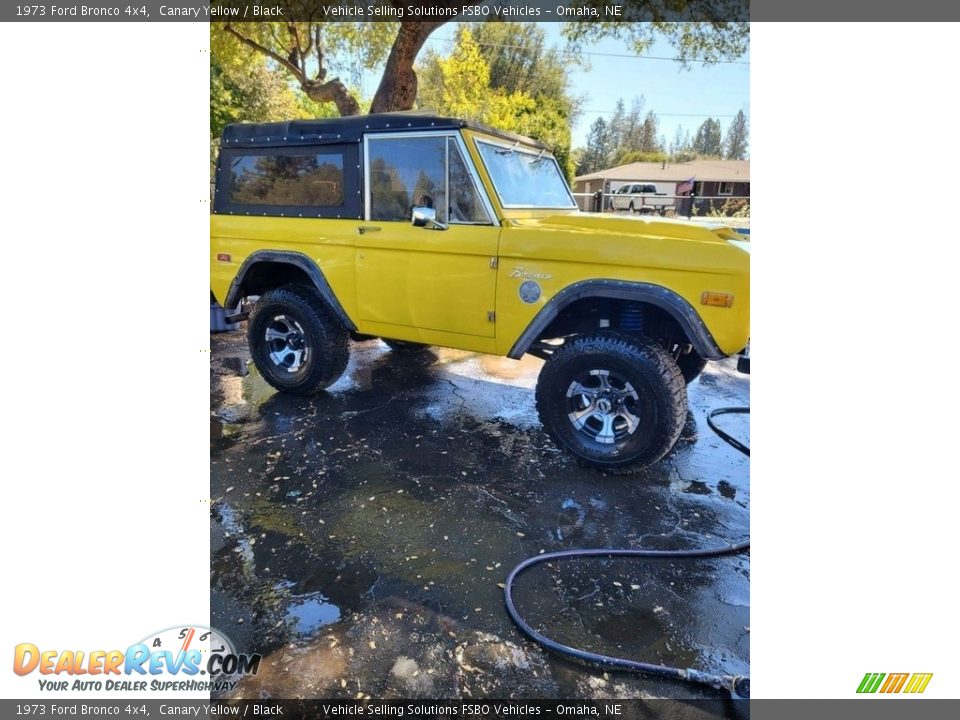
(291,180)
(726,188)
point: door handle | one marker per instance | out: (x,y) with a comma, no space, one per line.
(363,229)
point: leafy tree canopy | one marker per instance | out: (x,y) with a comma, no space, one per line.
(706,42)
(497,86)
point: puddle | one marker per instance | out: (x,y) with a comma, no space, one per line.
(362,535)
(311,613)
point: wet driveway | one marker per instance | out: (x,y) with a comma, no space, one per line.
(360,538)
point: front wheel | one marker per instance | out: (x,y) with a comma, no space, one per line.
(295,343)
(616,403)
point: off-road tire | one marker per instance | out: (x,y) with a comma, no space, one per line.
(632,363)
(691,365)
(324,339)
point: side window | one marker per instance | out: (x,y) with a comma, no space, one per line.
(422,172)
(407,172)
(314,180)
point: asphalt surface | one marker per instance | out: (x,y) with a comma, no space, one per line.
(360,538)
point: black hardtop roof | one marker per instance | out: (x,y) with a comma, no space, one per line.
(323,131)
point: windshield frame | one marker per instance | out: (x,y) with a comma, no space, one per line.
(529,151)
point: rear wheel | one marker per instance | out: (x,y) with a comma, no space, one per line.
(295,343)
(615,402)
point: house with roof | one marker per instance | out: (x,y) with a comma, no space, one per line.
(712,180)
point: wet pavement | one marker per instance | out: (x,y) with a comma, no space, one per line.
(360,538)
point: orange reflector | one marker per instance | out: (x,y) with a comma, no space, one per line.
(715,299)
(223,257)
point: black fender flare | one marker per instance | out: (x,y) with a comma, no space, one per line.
(679,309)
(298,260)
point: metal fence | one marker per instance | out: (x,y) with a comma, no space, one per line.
(692,205)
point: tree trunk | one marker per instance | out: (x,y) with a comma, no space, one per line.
(332,91)
(398,86)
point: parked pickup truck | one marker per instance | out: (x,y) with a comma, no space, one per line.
(640,198)
(426,230)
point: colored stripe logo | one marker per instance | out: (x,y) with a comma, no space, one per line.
(894,682)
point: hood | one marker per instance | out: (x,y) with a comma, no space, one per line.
(648,226)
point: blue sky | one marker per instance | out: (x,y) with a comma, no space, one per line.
(669,90)
(678,96)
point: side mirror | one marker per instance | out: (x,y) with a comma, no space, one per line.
(426,217)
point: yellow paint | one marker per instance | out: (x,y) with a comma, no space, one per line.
(438,286)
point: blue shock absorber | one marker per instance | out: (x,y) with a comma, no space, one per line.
(631,318)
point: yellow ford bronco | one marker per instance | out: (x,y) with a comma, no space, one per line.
(425,230)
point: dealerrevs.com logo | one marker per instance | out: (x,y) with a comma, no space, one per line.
(910,683)
(181,659)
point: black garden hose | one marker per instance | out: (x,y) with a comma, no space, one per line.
(723,435)
(737,685)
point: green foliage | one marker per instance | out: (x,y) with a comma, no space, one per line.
(630,134)
(315,48)
(708,140)
(303,56)
(640,156)
(633,133)
(249,92)
(736,142)
(521,61)
(681,147)
(706,42)
(596,156)
(500,86)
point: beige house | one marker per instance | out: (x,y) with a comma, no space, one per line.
(710,178)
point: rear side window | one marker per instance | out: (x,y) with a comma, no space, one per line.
(287,180)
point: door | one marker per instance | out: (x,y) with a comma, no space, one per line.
(424,277)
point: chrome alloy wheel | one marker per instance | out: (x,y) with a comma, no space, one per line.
(286,343)
(603,406)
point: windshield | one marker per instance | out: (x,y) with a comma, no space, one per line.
(525,178)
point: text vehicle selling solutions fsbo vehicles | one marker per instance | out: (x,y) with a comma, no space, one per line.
(435,231)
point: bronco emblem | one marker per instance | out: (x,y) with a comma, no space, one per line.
(521,272)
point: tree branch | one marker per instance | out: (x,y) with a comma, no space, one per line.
(301,60)
(266,51)
(332,91)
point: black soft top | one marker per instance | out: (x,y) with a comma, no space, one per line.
(347,129)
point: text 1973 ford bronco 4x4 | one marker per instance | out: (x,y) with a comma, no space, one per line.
(430,230)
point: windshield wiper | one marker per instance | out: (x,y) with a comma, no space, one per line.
(509,151)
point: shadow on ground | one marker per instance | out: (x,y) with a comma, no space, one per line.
(360,538)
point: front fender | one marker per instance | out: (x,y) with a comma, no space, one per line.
(679,309)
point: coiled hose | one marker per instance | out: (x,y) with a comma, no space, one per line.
(737,685)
